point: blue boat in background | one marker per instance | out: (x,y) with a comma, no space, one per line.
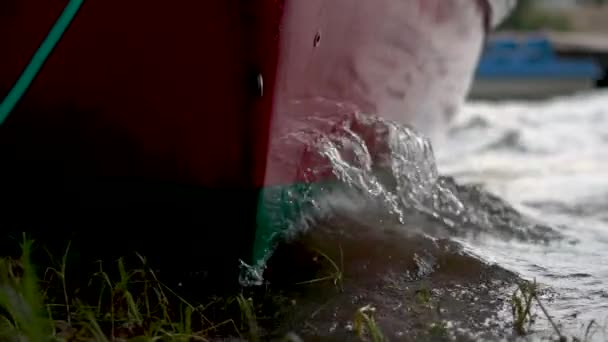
(529,68)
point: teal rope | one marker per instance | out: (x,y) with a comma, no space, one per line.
(41,55)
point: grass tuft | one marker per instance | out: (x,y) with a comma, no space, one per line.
(523,318)
(438,330)
(248,316)
(336,276)
(423,295)
(521,307)
(20,300)
(130,304)
(365,325)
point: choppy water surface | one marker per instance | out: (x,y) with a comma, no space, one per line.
(519,185)
(549,160)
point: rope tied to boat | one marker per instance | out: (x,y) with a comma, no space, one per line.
(33,68)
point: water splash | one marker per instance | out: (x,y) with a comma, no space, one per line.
(364,165)
(380,159)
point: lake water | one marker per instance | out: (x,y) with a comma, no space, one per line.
(549,159)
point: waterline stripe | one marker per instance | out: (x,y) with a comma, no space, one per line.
(41,55)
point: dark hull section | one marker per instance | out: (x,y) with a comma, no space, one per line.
(194,235)
(141,89)
(144,130)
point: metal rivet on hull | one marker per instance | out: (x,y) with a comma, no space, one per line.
(317,40)
(260,85)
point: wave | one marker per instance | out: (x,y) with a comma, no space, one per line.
(384,178)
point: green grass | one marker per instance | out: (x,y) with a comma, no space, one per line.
(423,296)
(365,325)
(438,330)
(248,316)
(21,301)
(521,307)
(336,275)
(126,301)
(131,305)
(522,302)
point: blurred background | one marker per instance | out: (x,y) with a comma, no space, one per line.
(560,15)
(546,48)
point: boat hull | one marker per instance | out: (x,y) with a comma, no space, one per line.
(150,116)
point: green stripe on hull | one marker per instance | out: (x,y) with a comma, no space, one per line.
(280,209)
